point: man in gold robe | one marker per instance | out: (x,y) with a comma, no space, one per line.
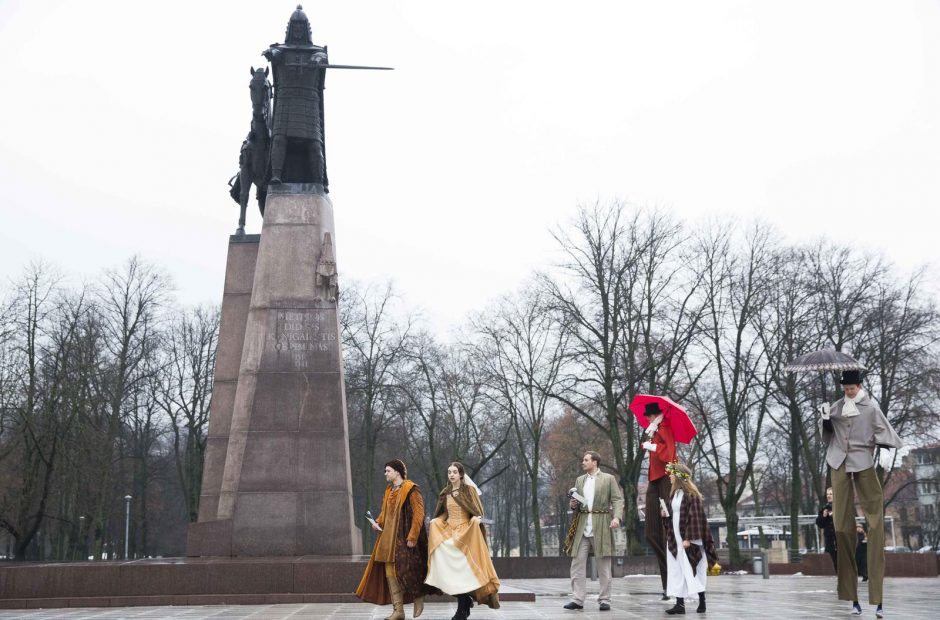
(398,565)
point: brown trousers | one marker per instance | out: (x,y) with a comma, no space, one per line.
(871,499)
(655,534)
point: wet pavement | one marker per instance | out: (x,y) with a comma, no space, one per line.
(729,596)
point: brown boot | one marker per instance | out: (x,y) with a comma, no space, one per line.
(419,607)
(398,608)
(493,601)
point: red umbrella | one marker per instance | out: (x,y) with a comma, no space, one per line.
(674,415)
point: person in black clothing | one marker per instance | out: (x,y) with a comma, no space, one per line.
(861,551)
(824,522)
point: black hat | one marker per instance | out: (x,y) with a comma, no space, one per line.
(851,377)
(398,466)
(652,409)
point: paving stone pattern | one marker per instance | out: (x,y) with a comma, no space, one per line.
(729,596)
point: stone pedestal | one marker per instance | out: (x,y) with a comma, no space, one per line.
(277,474)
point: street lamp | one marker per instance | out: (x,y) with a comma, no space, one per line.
(82,536)
(127,524)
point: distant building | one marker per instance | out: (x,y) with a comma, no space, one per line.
(926,465)
(902,522)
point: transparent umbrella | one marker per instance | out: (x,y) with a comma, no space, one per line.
(826,359)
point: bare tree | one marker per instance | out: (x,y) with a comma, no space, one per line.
(520,346)
(662,313)
(786,324)
(630,303)
(732,405)
(129,302)
(184,388)
(588,297)
(375,337)
(144,429)
(898,340)
(444,413)
(48,325)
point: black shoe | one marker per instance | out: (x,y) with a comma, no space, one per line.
(678,608)
(573,605)
(605,607)
(665,596)
(701,603)
(467,604)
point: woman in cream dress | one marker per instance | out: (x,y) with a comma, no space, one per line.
(460,563)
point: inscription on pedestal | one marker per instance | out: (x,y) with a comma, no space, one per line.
(302,340)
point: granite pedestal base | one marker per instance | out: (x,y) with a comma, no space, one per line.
(276,480)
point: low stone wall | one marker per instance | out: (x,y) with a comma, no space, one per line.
(896,565)
(814,564)
(910,565)
(189,581)
(786,569)
(205,581)
(560,567)
(218,578)
(532,568)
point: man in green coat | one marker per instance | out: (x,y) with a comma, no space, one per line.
(595,519)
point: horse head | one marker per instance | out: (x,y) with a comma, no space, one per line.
(260,89)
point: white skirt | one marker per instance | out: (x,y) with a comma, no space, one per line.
(679,578)
(450,571)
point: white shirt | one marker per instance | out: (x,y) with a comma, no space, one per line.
(589,496)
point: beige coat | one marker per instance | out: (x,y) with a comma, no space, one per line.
(852,440)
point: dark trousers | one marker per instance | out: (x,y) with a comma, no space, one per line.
(861,559)
(655,534)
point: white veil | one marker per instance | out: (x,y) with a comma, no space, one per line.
(470,483)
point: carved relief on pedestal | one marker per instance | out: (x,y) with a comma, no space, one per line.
(326,269)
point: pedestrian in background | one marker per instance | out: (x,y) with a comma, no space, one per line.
(824,522)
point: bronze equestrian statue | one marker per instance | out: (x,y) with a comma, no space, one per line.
(287,146)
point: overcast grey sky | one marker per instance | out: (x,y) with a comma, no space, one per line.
(120,124)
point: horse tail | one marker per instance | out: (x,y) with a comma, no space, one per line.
(235,185)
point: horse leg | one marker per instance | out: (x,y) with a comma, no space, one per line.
(262,196)
(243,199)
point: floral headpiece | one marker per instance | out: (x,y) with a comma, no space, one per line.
(675,471)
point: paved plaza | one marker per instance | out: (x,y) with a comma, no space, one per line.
(729,596)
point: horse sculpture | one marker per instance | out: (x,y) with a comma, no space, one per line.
(254,159)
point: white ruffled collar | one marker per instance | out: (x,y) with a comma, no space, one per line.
(849,409)
(654,426)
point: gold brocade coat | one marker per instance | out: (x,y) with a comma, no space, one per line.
(401,522)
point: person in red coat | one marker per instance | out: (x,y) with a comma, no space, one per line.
(661,447)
